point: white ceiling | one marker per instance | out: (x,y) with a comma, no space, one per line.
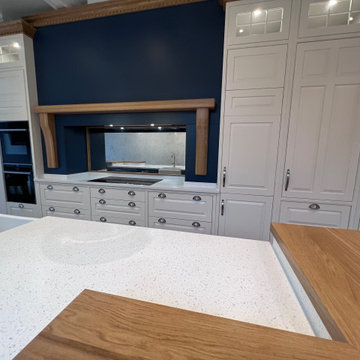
(15,9)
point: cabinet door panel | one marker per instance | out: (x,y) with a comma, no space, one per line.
(325,215)
(13,104)
(250,153)
(246,217)
(304,135)
(253,68)
(324,135)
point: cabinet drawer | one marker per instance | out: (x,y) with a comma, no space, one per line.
(22,209)
(100,192)
(315,214)
(180,206)
(253,102)
(120,218)
(180,225)
(118,208)
(64,195)
(67,212)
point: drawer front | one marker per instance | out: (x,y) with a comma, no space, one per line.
(22,209)
(67,212)
(315,214)
(118,208)
(180,225)
(64,195)
(253,102)
(190,206)
(100,192)
(123,219)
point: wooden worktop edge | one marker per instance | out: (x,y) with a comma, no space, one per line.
(323,312)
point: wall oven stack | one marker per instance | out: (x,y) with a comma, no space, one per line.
(17,162)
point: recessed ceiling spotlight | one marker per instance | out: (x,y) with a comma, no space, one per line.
(351,18)
(16,45)
(111,125)
(332,3)
(241,30)
(159,127)
(257,12)
(152,124)
(122,128)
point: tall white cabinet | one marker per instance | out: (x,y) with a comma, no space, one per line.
(290,120)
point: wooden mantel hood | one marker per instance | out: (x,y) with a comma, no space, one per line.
(201,106)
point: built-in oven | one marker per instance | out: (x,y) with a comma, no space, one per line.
(19,183)
(17,162)
(15,142)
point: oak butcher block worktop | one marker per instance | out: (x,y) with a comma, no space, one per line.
(97,326)
(327,263)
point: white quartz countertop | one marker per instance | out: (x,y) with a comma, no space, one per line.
(45,264)
(177,183)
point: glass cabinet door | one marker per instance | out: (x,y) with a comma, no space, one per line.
(325,17)
(11,51)
(265,21)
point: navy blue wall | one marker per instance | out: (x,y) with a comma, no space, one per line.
(170,53)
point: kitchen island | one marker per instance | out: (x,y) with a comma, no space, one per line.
(45,264)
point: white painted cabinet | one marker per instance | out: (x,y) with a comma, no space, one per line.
(245,216)
(320,17)
(23,209)
(254,22)
(249,154)
(13,99)
(324,136)
(166,223)
(256,68)
(315,214)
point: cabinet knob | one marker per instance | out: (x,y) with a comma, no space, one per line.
(102,201)
(49,187)
(131,193)
(197,198)
(196,224)
(132,222)
(162,221)
(103,219)
(131,204)
(77,211)
(314,206)
(162,195)
(102,191)
(21,206)
(52,209)
(75,188)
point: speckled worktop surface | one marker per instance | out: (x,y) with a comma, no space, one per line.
(45,264)
(176,183)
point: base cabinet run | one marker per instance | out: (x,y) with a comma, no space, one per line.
(247,217)
(182,211)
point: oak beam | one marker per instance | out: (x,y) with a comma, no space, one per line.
(47,124)
(202,140)
(119,107)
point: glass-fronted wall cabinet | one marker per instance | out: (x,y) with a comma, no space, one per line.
(326,17)
(266,21)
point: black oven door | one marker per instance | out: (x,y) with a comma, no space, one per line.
(20,186)
(15,143)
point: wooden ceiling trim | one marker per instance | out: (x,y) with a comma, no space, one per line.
(97,10)
(202,108)
(16,27)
